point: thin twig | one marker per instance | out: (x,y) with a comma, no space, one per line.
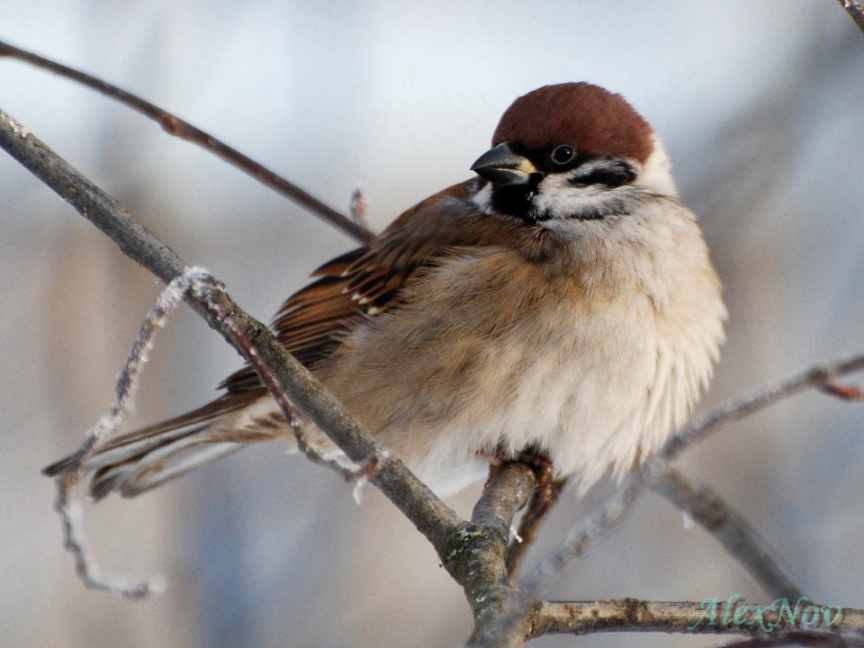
(843,391)
(583,538)
(202,289)
(697,430)
(174,125)
(854,9)
(69,471)
(744,406)
(734,532)
(85,566)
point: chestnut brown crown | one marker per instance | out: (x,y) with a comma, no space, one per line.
(582,115)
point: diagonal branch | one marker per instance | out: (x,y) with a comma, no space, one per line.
(819,377)
(431,516)
(484,574)
(856,10)
(697,430)
(732,531)
(472,554)
(173,125)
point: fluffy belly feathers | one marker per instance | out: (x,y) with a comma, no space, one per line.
(591,386)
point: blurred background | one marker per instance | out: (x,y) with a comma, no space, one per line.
(760,105)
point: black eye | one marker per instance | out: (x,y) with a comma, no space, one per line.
(563,154)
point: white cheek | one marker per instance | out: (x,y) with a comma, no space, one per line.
(483,199)
(556,196)
(656,175)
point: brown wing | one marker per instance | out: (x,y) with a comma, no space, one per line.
(311,324)
(368,280)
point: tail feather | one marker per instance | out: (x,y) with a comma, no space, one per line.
(134,448)
(142,473)
(204,416)
(138,461)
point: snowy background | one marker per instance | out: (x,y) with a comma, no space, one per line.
(760,105)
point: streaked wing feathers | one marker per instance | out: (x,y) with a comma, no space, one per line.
(367,281)
(311,324)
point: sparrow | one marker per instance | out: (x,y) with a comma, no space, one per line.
(562,303)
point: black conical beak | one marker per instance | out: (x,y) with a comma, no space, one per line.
(502,166)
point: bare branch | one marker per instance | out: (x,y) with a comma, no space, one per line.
(134,240)
(503,497)
(473,555)
(85,566)
(482,570)
(743,406)
(711,616)
(697,430)
(69,471)
(854,9)
(578,542)
(432,517)
(173,125)
(733,531)
(201,289)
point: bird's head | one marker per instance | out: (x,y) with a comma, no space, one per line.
(572,150)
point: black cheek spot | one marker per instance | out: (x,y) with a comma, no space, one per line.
(516,200)
(610,176)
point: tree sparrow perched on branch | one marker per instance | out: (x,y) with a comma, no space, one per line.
(561,303)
